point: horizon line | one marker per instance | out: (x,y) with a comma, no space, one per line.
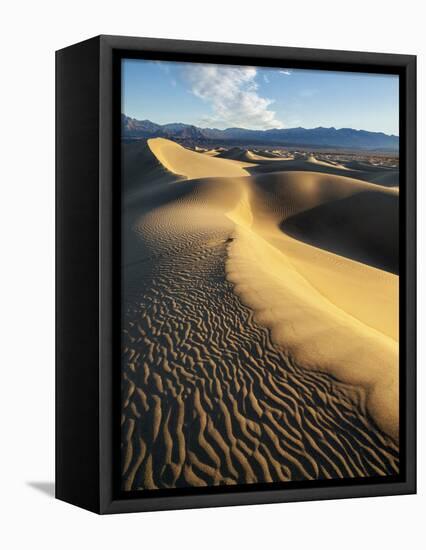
(264,129)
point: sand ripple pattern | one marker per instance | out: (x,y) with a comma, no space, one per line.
(208,399)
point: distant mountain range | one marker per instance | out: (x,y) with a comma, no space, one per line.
(345,138)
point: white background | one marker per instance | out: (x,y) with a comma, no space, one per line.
(30,33)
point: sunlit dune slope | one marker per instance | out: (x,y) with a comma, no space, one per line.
(238,154)
(191,164)
(330,313)
(313,160)
(265,157)
(327,311)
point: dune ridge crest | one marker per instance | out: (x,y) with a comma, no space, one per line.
(208,396)
(307,297)
(312,330)
(191,164)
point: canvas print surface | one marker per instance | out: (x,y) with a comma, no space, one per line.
(259,276)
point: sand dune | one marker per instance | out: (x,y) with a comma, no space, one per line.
(191,164)
(262,163)
(264,157)
(351,227)
(234,153)
(328,312)
(243,155)
(266,154)
(381,176)
(256,349)
(388,178)
(313,160)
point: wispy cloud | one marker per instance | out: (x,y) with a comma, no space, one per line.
(232,93)
(286,72)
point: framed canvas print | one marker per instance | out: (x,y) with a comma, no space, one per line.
(235,274)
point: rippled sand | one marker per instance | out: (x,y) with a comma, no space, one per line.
(244,358)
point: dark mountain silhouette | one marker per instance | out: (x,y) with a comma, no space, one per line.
(345,138)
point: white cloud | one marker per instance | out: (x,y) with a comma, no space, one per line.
(286,72)
(232,93)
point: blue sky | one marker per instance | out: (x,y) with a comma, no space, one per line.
(224,96)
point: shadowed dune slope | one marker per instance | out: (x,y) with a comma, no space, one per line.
(144,174)
(388,177)
(361,227)
(250,355)
(361,166)
(266,154)
(146,184)
(234,153)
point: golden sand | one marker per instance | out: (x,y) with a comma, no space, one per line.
(283,374)
(192,164)
(330,313)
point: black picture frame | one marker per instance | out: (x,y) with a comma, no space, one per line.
(87,278)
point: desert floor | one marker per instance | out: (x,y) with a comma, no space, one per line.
(260,316)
